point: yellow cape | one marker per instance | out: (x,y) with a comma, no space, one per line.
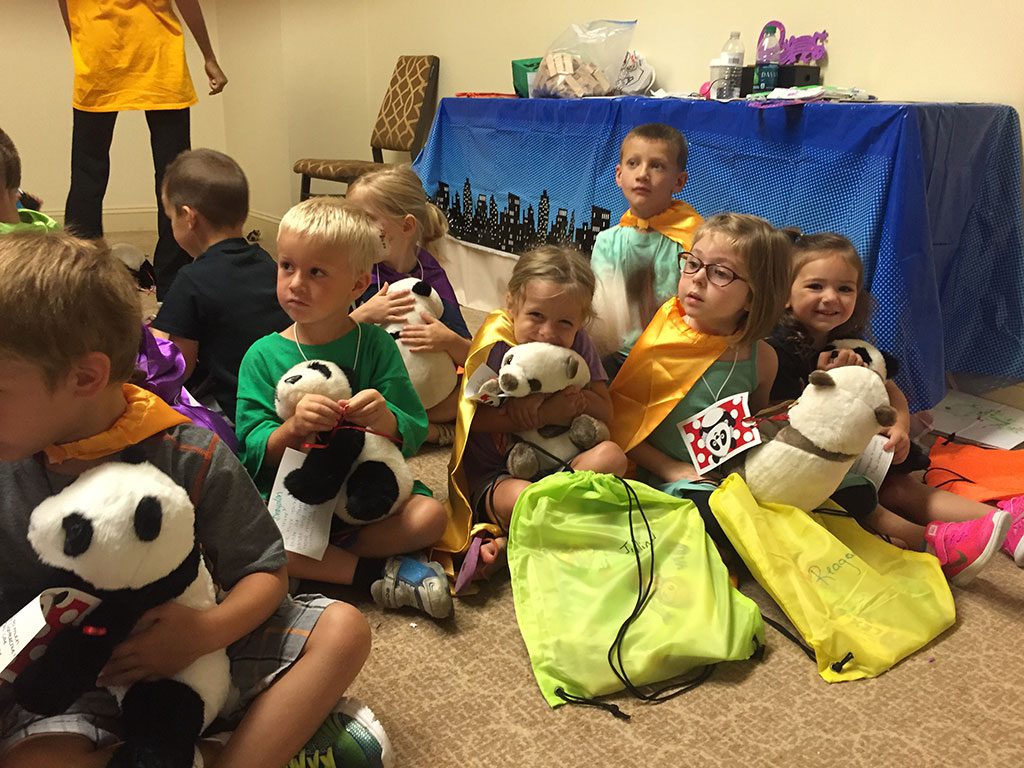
(678,223)
(666,361)
(497,327)
(145,415)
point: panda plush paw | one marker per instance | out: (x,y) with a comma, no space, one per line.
(372,490)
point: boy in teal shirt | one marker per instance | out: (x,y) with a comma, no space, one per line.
(637,262)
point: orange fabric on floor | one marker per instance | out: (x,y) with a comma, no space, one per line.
(988,474)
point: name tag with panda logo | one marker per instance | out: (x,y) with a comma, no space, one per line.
(720,432)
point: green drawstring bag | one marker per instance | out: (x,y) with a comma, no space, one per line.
(616,585)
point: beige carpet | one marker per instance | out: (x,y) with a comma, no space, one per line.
(461,693)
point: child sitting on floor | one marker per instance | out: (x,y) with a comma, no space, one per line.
(636,262)
(69,335)
(828,301)
(704,344)
(408,223)
(549,299)
(326,248)
(225,299)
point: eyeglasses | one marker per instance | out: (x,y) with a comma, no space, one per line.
(717,274)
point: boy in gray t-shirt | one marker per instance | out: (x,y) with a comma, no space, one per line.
(69,331)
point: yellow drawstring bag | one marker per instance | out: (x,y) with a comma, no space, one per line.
(860,603)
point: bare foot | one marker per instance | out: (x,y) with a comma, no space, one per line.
(492,557)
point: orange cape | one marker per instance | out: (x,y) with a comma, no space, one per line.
(497,327)
(666,361)
(145,415)
(678,223)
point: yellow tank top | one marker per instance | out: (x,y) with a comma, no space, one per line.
(128,54)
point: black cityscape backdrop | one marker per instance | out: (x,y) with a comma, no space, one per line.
(511,229)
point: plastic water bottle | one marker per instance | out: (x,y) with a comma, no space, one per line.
(721,73)
(766,73)
(733,52)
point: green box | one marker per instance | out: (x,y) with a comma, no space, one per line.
(521,68)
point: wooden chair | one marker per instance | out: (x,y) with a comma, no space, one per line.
(402,124)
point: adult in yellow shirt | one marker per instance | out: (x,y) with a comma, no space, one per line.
(130,54)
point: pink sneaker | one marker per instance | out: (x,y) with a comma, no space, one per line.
(964,548)
(1013,544)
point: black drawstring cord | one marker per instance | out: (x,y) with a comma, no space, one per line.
(838,665)
(781,629)
(957,477)
(561,693)
(643,593)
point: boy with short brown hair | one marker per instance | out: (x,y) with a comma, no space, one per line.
(637,261)
(69,332)
(225,299)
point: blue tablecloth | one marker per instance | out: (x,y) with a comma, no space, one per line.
(929,193)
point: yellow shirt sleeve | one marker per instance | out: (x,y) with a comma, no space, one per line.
(128,55)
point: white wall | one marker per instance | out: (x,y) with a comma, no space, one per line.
(307,76)
(36,112)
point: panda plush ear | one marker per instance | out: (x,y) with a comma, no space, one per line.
(133,455)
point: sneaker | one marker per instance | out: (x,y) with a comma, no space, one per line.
(1013,544)
(445,433)
(964,548)
(410,582)
(350,737)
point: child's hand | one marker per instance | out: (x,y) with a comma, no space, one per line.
(564,406)
(165,640)
(386,306)
(365,407)
(899,443)
(837,358)
(433,336)
(524,411)
(315,413)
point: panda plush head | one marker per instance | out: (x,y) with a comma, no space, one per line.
(316,377)
(426,300)
(541,367)
(116,526)
(882,363)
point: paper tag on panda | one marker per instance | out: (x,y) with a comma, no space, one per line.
(719,432)
(24,637)
(482,386)
(305,528)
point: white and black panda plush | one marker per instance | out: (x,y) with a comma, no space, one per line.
(830,425)
(541,367)
(126,534)
(432,373)
(882,363)
(366,472)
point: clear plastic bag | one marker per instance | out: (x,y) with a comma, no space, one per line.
(584,61)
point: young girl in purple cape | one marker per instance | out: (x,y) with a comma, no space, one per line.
(408,223)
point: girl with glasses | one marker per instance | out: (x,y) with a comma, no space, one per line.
(704,344)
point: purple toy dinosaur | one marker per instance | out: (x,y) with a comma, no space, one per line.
(798,50)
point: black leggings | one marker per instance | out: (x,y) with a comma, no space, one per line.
(169,135)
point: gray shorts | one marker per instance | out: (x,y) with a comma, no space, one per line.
(257,660)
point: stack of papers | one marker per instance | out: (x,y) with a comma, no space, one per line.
(978,420)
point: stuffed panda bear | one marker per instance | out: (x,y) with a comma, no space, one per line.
(126,534)
(828,427)
(541,367)
(366,472)
(432,373)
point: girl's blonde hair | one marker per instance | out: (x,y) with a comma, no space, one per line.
(399,192)
(338,224)
(767,254)
(557,264)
